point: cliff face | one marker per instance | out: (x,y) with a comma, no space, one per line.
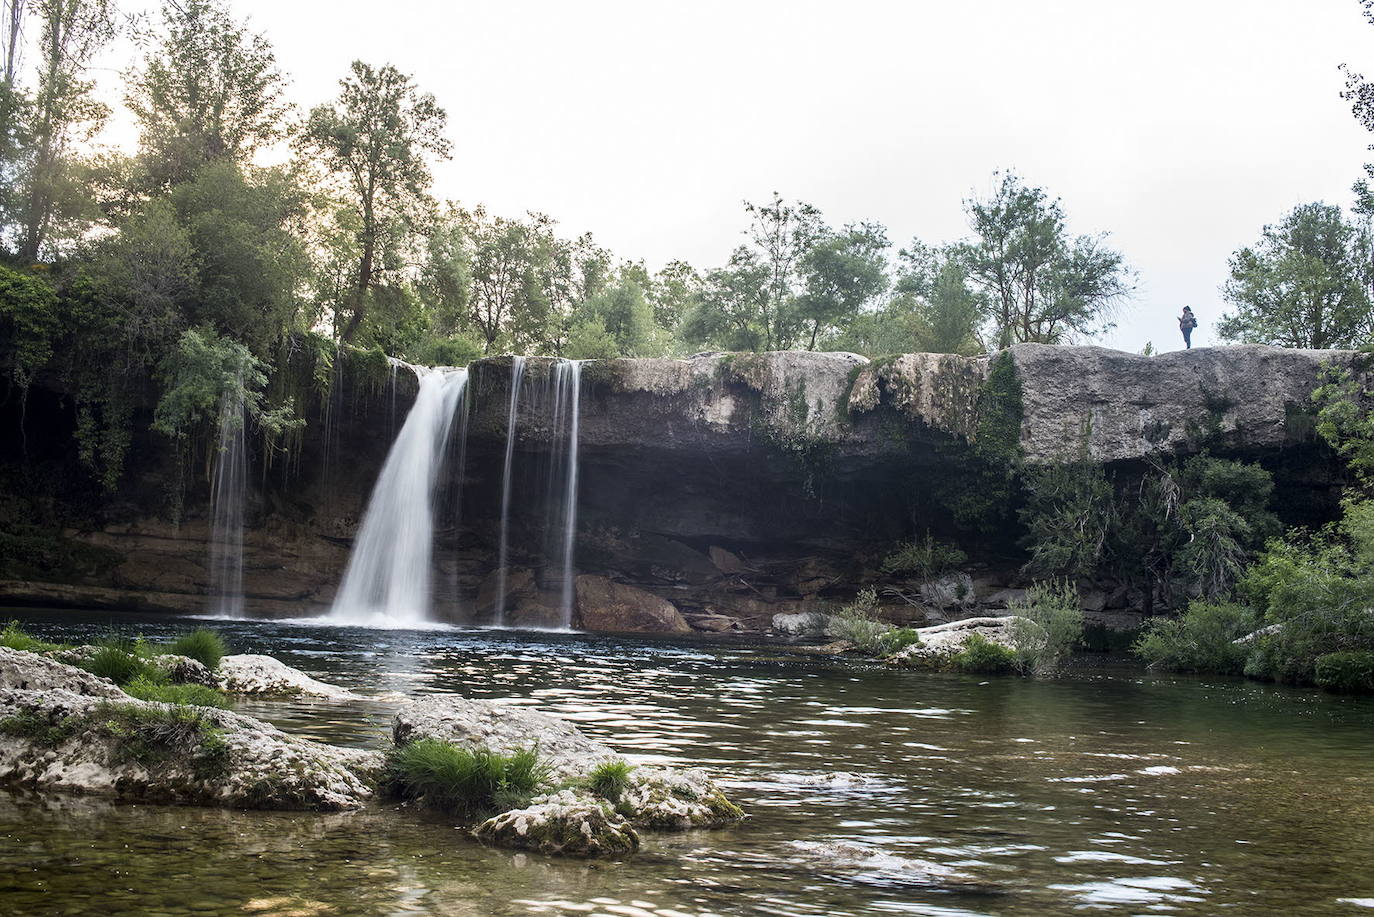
(733,485)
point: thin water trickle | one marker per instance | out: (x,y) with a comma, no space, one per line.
(387,582)
(517,377)
(568,384)
(226,509)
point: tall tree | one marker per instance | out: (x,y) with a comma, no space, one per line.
(1043,285)
(209,91)
(842,272)
(947,313)
(377,138)
(62,113)
(1305,284)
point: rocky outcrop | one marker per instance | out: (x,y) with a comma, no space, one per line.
(501,727)
(566,823)
(23,671)
(724,486)
(609,607)
(941,641)
(656,798)
(247,673)
(146,752)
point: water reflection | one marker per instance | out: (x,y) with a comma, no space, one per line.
(870,792)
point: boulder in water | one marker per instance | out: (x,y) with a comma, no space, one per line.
(941,641)
(667,799)
(162,753)
(566,823)
(248,673)
(610,607)
(803,624)
(501,727)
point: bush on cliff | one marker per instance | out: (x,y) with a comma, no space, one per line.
(928,558)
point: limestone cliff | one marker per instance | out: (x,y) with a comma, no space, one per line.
(734,486)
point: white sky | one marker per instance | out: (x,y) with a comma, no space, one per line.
(1179,126)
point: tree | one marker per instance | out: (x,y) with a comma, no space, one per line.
(62,112)
(1305,284)
(376,139)
(1042,285)
(210,92)
(946,313)
(623,313)
(841,273)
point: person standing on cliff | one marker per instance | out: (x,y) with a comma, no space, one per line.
(1186,323)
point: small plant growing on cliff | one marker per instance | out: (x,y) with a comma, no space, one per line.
(203,645)
(610,778)
(1049,625)
(468,782)
(928,558)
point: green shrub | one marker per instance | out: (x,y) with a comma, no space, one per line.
(144,688)
(467,782)
(121,666)
(1351,672)
(893,641)
(1202,639)
(858,622)
(981,656)
(14,637)
(203,645)
(609,779)
(1050,625)
(928,558)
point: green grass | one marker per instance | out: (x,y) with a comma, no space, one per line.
(121,666)
(610,778)
(36,727)
(149,689)
(203,645)
(981,656)
(466,781)
(153,736)
(14,637)
(892,642)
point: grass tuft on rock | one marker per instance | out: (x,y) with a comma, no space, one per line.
(468,782)
(610,778)
(203,645)
(121,666)
(151,689)
(154,736)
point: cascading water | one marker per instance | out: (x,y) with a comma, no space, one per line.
(387,582)
(226,510)
(567,385)
(517,377)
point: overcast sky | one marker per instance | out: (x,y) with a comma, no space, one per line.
(1179,126)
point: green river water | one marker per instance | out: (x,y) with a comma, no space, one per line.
(1107,791)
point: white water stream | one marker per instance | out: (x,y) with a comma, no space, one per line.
(387,582)
(226,510)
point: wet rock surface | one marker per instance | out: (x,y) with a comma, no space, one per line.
(566,823)
(605,606)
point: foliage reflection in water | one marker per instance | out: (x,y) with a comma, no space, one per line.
(870,792)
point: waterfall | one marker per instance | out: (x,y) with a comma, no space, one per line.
(517,377)
(387,582)
(226,509)
(567,382)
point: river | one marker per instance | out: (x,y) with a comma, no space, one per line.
(1106,791)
